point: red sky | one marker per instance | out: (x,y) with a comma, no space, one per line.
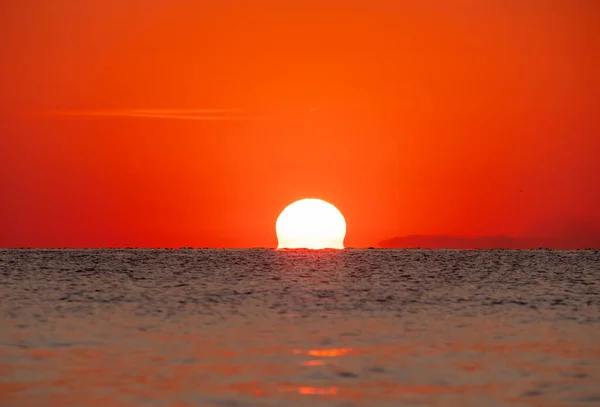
(464,117)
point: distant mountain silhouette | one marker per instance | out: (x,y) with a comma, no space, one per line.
(492,242)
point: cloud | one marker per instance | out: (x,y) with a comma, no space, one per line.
(171,114)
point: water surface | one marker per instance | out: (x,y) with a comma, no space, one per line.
(272,328)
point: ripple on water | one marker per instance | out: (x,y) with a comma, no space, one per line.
(266,328)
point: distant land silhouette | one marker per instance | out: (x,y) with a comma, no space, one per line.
(585,241)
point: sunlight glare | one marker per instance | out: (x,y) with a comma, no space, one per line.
(310,224)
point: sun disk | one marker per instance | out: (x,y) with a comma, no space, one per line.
(310,224)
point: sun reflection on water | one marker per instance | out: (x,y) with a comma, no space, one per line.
(320,391)
(315,362)
(325,353)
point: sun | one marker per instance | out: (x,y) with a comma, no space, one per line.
(310,224)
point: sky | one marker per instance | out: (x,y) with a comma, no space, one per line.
(168,123)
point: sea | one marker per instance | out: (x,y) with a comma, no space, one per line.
(262,327)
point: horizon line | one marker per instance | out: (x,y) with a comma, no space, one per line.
(296,249)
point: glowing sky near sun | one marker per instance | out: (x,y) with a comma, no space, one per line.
(179,123)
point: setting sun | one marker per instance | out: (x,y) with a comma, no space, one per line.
(310,224)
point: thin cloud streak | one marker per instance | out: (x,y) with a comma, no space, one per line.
(172,114)
(197,117)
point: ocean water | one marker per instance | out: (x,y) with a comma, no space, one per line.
(237,328)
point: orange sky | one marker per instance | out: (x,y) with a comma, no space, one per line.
(412,117)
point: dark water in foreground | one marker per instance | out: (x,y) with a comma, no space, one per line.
(265,328)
